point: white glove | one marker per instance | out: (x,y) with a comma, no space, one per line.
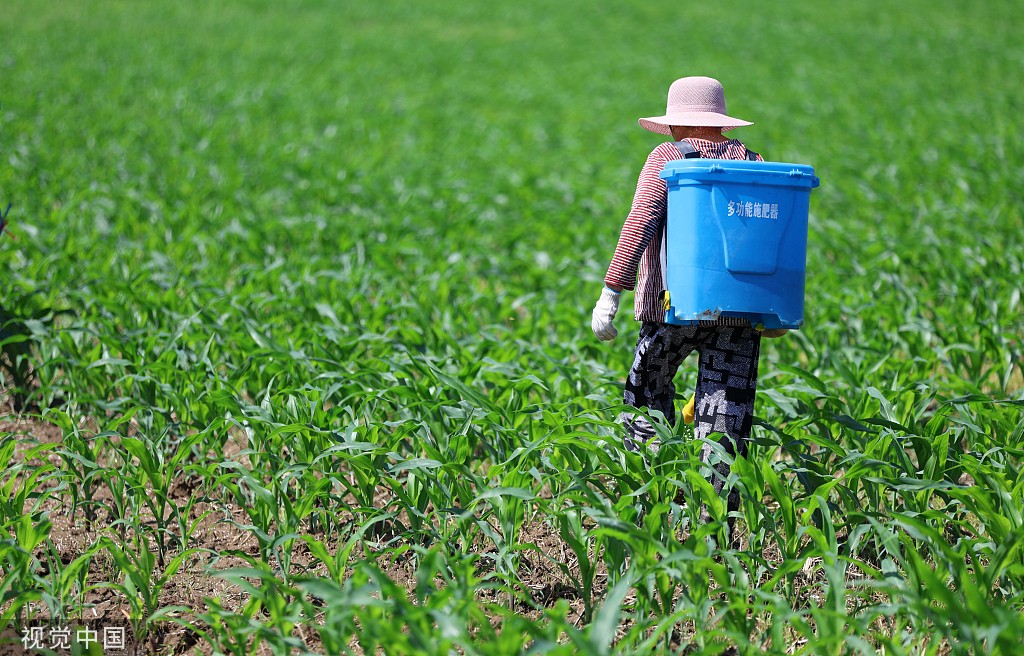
(604,313)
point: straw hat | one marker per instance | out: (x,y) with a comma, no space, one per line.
(693,102)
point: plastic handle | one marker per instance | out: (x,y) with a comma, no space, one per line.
(797,173)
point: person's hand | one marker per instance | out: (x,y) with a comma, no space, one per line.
(772,333)
(603,315)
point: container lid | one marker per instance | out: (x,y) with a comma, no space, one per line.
(705,171)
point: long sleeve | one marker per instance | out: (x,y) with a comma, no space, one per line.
(644,222)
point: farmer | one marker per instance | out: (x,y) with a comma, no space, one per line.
(728,347)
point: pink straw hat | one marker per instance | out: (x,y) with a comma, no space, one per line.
(693,102)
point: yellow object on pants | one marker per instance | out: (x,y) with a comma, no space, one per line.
(688,411)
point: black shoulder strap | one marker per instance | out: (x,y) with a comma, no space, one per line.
(689,152)
(686,150)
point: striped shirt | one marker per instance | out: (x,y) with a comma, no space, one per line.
(636,263)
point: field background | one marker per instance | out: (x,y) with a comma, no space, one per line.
(296,329)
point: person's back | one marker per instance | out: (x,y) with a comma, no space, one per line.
(644,272)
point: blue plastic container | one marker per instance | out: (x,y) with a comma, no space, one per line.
(736,241)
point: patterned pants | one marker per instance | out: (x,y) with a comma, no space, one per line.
(726,385)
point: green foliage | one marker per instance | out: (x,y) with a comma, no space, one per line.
(329,267)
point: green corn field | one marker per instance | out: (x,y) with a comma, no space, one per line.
(296,346)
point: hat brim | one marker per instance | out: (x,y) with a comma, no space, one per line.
(661,124)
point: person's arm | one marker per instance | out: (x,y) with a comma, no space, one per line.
(645,218)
